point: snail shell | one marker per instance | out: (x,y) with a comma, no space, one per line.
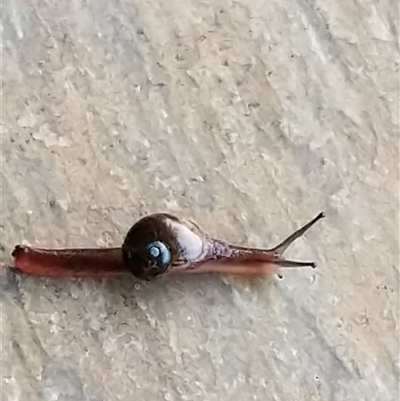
(160,241)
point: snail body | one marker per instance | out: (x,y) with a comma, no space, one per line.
(159,244)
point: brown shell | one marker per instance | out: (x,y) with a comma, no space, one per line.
(186,242)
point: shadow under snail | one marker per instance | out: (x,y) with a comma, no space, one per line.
(159,244)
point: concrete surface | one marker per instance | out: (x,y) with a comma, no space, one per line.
(248,117)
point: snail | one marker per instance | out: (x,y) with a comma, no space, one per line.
(156,245)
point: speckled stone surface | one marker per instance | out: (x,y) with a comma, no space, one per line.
(248,117)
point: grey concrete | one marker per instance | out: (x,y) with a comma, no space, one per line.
(248,117)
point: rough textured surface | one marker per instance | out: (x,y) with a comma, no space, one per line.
(249,117)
